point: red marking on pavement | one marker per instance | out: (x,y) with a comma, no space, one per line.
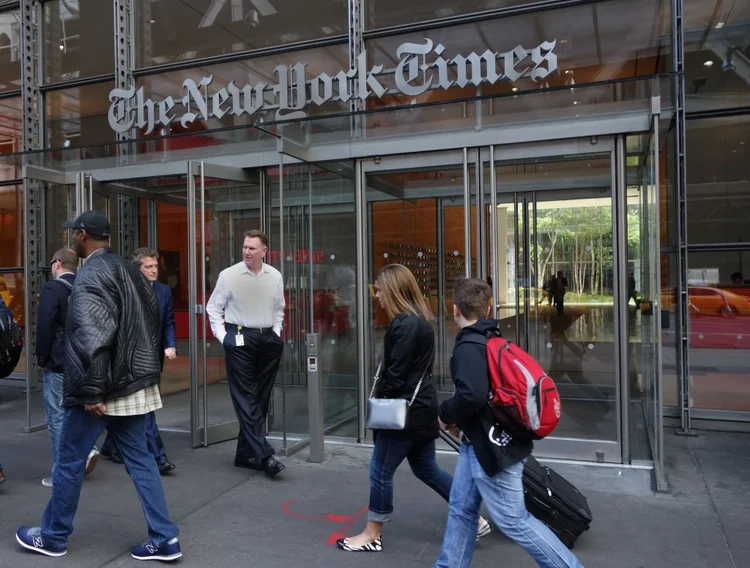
(346,520)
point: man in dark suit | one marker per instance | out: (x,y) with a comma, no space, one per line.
(147,260)
(50,346)
(5,313)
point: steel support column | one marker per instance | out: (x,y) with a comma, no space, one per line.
(356,48)
(127,207)
(33,121)
(683,318)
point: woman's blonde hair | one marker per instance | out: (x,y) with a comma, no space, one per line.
(400,292)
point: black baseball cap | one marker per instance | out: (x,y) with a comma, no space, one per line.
(93,222)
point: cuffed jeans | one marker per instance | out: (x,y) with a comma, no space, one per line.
(390,451)
(503,496)
(52,390)
(78,435)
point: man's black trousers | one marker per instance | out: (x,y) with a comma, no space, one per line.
(251,370)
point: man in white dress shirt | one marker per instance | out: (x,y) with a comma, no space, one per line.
(246,311)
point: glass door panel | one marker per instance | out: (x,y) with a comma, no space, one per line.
(215,194)
(643,291)
(555,241)
(417,218)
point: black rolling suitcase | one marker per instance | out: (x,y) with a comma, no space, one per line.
(550,498)
(555,501)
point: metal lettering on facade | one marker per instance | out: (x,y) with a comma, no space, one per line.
(413,76)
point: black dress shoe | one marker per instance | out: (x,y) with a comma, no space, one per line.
(273,467)
(166,466)
(249,463)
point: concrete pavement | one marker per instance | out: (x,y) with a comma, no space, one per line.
(234,517)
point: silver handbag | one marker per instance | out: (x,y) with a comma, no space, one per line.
(388,413)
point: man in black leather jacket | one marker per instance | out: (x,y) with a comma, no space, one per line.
(111,381)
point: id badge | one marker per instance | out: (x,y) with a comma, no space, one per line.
(239,340)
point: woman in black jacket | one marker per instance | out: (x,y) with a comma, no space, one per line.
(409,350)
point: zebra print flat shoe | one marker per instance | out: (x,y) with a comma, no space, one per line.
(484,530)
(374,546)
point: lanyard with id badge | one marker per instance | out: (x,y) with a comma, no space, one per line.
(239,339)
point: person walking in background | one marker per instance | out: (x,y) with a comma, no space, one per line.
(559,289)
(111,381)
(6,316)
(147,261)
(246,311)
(491,461)
(50,346)
(408,355)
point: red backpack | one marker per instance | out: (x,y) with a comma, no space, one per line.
(523,398)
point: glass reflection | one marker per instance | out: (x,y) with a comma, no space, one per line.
(10,51)
(78,39)
(180,30)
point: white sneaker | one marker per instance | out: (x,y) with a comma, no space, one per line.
(47,482)
(92,460)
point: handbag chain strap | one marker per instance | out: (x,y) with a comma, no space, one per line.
(416,390)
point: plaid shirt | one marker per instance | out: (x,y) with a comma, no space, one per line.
(142,402)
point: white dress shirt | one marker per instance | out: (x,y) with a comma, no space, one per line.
(246,299)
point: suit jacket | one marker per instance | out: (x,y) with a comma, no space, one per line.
(167,334)
(4,310)
(50,325)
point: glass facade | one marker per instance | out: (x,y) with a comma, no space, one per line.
(566,116)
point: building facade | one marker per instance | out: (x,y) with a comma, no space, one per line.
(505,139)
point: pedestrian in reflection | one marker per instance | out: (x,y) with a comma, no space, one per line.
(408,356)
(632,293)
(147,261)
(246,311)
(50,347)
(547,290)
(559,288)
(111,381)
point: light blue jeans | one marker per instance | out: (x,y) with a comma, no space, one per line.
(503,495)
(52,389)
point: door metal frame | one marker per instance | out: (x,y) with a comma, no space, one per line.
(617,450)
(205,434)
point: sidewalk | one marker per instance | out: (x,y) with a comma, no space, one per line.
(232,517)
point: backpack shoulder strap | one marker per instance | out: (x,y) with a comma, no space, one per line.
(478,339)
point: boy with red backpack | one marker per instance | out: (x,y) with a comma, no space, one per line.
(491,460)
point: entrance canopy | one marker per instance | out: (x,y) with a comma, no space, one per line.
(595,109)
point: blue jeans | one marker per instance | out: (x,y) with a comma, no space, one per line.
(52,389)
(79,433)
(503,495)
(390,450)
(155,444)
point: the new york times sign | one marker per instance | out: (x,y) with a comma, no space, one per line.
(420,67)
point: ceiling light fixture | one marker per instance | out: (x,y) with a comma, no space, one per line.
(719,25)
(62,47)
(708,63)
(575,102)
(152,21)
(514,89)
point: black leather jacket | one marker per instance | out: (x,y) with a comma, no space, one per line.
(409,350)
(113,332)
